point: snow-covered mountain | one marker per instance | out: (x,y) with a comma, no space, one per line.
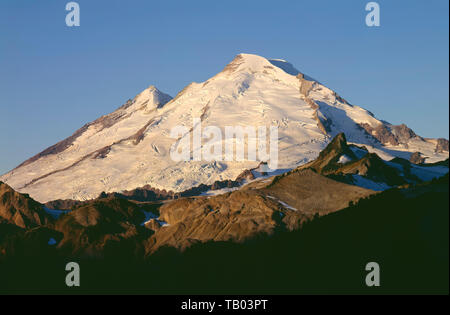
(129,148)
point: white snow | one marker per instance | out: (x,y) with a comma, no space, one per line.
(360,181)
(344,159)
(163,223)
(287,206)
(282,203)
(148,216)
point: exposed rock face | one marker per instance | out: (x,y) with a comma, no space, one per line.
(148,193)
(152,224)
(381,133)
(328,159)
(442,145)
(322,123)
(229,217)
(417,158)
(374,168)
(194,191)
(251,174)
(370,166)
(145,193)
(305,85)
(234,64)
(102,227)
(25,228)
(21,210)
(67,204)
(245,175)
(391,134)
(403,133)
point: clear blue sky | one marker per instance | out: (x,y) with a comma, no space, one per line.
(54,79)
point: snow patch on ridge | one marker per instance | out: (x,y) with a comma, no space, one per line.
(344,159)
(360,181)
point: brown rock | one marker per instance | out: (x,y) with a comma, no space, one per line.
(20,209)
(442,145)
(417,158)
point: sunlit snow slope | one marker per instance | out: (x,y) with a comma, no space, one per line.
(129,148)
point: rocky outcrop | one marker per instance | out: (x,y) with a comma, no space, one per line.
(245,175)
(370,166)
(323,124)
(328,159)
(234,64)
(305,85)
(380,133)
(390,135)
(145,193)
(229,217)
(66,204)
(374,168)
(153,224)
(148,194)
(417,158)
(403,133)
(21,210)
(442,145)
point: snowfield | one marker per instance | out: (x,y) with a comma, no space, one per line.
(130,147)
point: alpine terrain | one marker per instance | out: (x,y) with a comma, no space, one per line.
(130,147)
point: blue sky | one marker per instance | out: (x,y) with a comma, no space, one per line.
(54,79)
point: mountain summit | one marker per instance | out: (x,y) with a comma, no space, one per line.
(130,147)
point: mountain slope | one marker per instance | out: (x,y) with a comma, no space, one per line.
(102,226)
(130,147)
(21,210)
(357,166)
